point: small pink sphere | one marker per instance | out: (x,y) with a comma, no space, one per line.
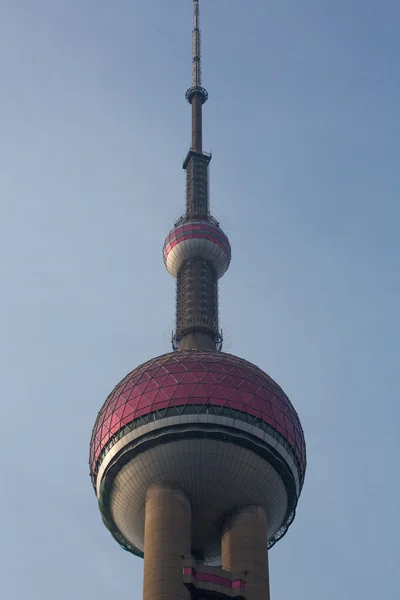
(197,239)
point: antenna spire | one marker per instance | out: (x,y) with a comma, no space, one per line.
(196,68)
(196,95)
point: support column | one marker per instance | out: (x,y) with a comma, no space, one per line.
(244,549)
(167,537)
(197,305)
(197,123)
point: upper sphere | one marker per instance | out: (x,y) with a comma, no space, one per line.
(197,239)
(213,424)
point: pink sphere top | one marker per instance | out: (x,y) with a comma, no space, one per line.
(197,239)
(197,379)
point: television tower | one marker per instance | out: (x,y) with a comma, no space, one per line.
(197,457)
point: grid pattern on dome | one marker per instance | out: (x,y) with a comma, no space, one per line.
(197,378)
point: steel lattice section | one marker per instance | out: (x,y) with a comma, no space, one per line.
(197,191)
(195,378)
(196,298)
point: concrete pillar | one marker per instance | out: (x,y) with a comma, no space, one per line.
(167,537)
(244,548)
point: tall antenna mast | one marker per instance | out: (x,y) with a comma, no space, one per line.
(196,79)
(196,95)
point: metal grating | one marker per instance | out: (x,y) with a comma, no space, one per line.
(197,194)
(196,298)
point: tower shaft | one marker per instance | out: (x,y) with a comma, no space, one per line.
(197,123)
(167,539)
(197,305)
(197,281)
(244,549)
(197,185)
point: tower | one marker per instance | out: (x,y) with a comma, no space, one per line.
(197,457)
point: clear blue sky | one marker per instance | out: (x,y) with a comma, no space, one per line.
(303,122)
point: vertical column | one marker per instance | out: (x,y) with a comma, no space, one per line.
(197,305)
(197,192)
(244,548)
(197,122)
(167,537)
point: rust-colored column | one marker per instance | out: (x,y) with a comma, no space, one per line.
(244,549)
(167,537)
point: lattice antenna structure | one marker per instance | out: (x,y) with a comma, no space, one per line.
(196,95)
(196,51)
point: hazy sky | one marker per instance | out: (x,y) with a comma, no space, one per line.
(303,122)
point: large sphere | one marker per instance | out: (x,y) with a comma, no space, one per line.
(196,239)
(211,423)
